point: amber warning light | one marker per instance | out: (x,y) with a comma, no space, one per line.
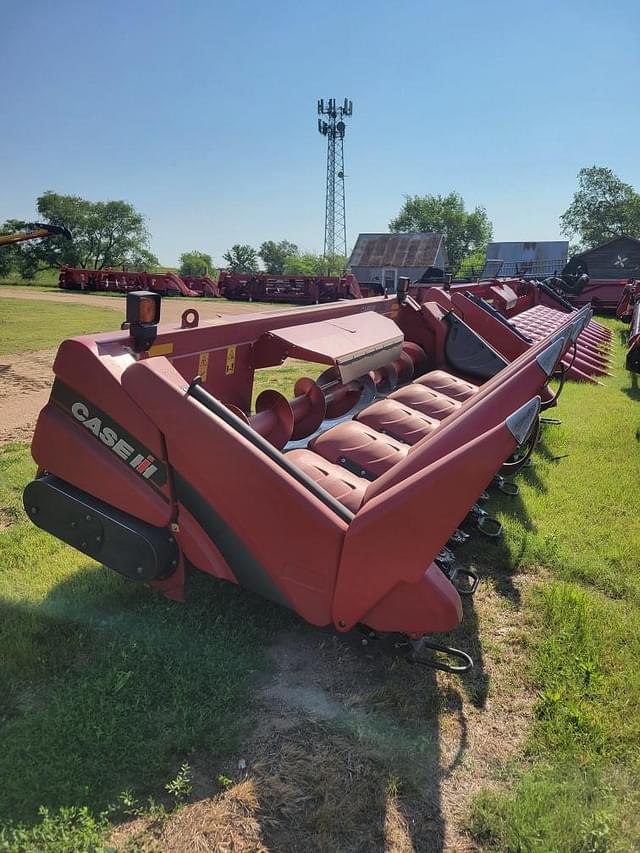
(143,316)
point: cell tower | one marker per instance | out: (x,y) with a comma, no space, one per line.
(333,127)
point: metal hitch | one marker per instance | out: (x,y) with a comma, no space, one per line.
(458,537)
(446,562)
(484,522)
(417,647)
(507,487)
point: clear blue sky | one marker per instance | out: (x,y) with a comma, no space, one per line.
(203,114)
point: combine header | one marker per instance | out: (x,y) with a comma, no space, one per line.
(250,287)
(341,503)
(629,310)
(116,281)
(300,290)
(602,294)
(515,313)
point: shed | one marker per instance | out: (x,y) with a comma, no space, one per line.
(540,257)
(379,260)
(618,258)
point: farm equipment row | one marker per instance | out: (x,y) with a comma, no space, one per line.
(251,287)
(116,281)
(343,503)
(299,290)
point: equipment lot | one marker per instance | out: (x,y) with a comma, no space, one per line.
(295,737)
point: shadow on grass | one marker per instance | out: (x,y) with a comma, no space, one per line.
(128,685)
(143,682)
(633,389)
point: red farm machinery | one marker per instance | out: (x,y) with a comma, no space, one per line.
(123,281)
(629,311)
(342,503)
(299,290)
(514,314)
(249,287)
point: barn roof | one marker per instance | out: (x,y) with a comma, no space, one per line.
(607,243)
(417,249)
(616,258)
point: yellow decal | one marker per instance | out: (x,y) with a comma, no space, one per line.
(231,361)
(203,366)
(395,310)
(161,349)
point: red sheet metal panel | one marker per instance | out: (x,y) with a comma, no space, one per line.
(354,344)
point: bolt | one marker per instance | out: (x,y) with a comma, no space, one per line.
(362,472)
(140,570)
(74,524)
(171,540)
(174,563)
(34,510)
(98,538)
(342,460)
(83,544)
(342,623)
(87,518)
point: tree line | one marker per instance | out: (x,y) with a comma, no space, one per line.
(114,234)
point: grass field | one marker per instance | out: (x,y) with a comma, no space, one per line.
(578,787)
(42,279)
(106,688)
(29,325)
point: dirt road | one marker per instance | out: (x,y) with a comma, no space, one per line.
(172,308)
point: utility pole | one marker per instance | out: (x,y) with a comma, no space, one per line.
(331,124)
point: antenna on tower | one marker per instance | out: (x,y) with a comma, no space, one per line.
(335,219)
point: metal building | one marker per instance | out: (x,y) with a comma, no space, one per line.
(543,258)
(618,258)
(379,260)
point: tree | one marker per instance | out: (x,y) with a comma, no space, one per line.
(195,263)
(473,263)
(105,234)
(464,231)
(310,263)
(241,258)
(10,253)
(275,255)
(603,207)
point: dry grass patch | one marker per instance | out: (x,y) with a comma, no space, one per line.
(353,749)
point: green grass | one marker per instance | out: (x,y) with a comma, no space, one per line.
(42,279)
(29,324)
(577,519)
(105,686)
(283,379)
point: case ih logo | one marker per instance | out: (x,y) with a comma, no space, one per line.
(113,436)
(142,464)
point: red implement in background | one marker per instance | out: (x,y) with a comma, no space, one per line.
(298,289)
